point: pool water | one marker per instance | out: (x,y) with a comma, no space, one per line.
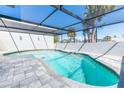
(81,68)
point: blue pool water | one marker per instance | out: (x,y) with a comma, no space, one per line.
(81,68)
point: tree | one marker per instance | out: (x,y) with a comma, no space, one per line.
(107,38)
(115,36)
(56,38)
(84,34)
(122,35)
(72,33)
(92,11)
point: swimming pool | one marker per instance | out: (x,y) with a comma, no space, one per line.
(79,67)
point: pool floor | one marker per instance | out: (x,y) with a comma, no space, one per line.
(81,68)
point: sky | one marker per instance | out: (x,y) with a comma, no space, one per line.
(38,13)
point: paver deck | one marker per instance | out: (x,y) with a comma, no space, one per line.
(29,72)
(25,72)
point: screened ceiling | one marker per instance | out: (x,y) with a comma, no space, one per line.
(52,19)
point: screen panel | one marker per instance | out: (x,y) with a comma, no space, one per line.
(60,19)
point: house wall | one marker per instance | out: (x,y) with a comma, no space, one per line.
(24,41)
(49,41)
(6,43)
(39,41)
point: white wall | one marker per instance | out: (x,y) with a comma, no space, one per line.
(49,41)
(60,46)
(39,44)
(43,42)
(6,43)
(97,48)
(118,39)
(73,46)
(25,43)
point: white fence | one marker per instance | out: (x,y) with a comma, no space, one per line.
(118,50)
(97,49)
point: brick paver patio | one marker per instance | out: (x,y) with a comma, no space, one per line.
(29,72)
(25,72)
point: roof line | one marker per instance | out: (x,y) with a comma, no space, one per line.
(21,20)
(28,29)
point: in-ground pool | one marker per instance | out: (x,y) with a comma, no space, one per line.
(81,68)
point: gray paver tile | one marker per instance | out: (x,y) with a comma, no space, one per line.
(25,73)
(27,81)
(5,83)
(39,73)
(35,84)
(19,77)
(55,84)
(15,84)
(46,86)
(31,74)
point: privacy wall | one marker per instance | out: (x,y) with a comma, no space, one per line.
(39,41)
(24,41)
(6,43)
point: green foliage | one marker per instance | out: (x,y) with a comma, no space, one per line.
(107,38)
(56,38)
(72,32)
(93,11)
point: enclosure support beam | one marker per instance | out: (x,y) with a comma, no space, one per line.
(81,46)
(96,35)
(17,19)
(45,42)
(45,18)
(28,30)
(61,38)
(107,50)
(10,35)
(67,12)
(67,44)
(99,26)
(121,81)
(32,41)
(94,17)
(102,25)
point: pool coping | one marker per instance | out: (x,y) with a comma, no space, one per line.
(7,53)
